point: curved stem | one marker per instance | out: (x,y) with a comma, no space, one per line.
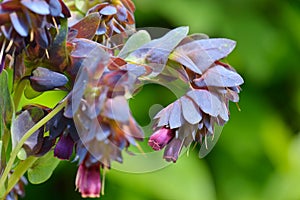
(16,150)
(19,171)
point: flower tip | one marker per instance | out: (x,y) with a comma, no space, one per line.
(155,146)
(160,138)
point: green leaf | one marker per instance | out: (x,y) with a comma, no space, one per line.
(42,169)
(7,113)
(134,42)
(6,105)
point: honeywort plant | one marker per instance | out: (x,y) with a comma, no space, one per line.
(92,51)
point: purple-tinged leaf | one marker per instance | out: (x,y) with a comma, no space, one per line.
(19,24)
(156,52)
(190,111)
(217,48)
(219,76)
(193,37)
(55,7)
(20,126)
(117,109)
(199,55)
(41,37)
(164,116)
(208,102)
(87,27)
(37,6)
(122,13)
(108,10)
(176,119)
(43,79)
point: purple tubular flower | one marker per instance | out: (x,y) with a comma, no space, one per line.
(160,138)
(88,180)
(64,147)
(173,149)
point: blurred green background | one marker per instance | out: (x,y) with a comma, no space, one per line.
(257,155)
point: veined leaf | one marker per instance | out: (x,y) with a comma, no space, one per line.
(87,27)
(199,55)
(137,40)
(43,168)
(219,76)
(156,52)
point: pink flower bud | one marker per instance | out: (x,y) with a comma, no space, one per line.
(160,138)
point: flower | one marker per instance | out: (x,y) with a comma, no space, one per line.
(88,181)
(160,138)
(64,147)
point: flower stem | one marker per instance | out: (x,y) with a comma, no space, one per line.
(16,150)
(19,171)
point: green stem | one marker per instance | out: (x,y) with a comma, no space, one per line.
(36,127)
(19,171)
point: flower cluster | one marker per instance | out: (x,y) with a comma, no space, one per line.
(93,124)
(212,85)
(28,22)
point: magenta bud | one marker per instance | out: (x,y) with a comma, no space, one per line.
(64,148)
(160,138)
(88,180)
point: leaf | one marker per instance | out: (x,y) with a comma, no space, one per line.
(6,105)
(43,168)
(219,76)
(190,111)
(176,119)
(43,79)
(57,51)
(38,6)
(55,7)
(199,55)
(208,102)
(137,40)
(19,24)
(108,10)
(87,27)
(20,126)
(117,109)
(156,52)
